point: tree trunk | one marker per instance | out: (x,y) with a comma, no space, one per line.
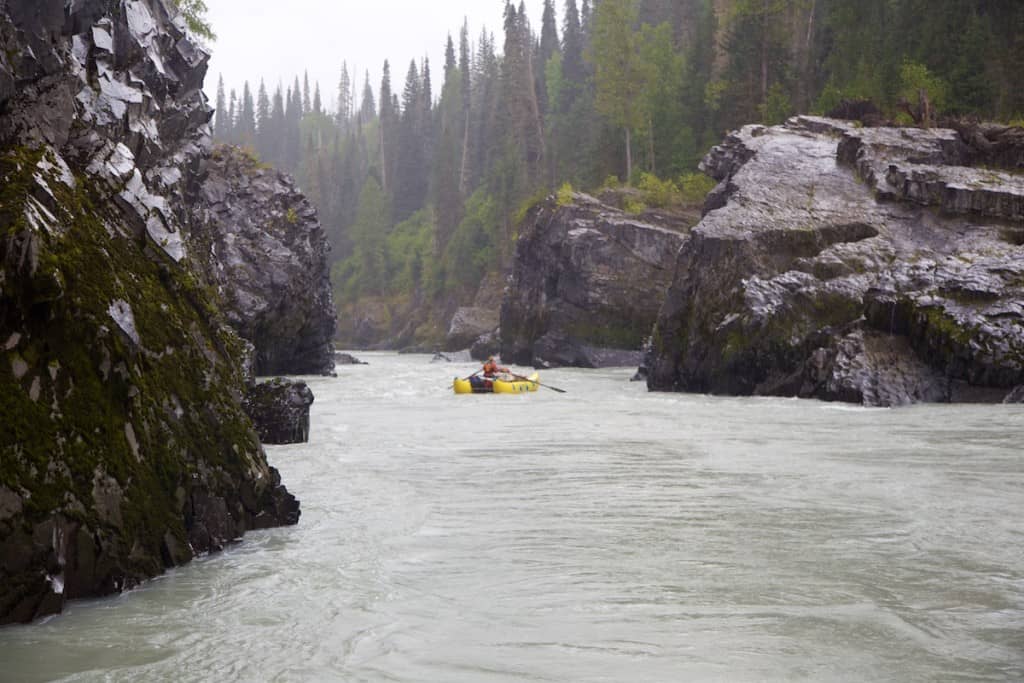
(629,156)
(650,144)
(383,159)
(807,86)
(464,166)
(764,53)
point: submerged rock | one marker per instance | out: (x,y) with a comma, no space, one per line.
(280,410)
(586,285)
(124,448)
(847,263)
(266,254)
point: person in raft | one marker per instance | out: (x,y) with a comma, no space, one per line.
(490,372)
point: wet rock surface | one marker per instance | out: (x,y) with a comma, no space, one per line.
(586,285)
(266,254)
(124,448)
(280,410)
(846,263)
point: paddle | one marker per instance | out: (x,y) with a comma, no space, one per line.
(546,386)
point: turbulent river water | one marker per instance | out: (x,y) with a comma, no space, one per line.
(603,534)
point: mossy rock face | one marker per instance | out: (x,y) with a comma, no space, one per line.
(123,448)
(586,284)
(280,410)
(801,282)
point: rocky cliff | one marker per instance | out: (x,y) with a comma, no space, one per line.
(586,285)
(871,265)
(124,448)
(264,251)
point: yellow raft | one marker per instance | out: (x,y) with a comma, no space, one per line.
(504,384)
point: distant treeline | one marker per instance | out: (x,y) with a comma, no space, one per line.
(420,188)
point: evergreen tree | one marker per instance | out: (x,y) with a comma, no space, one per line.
(369,234)
(547,48)
(274,134)
(220,120)
(229,123)
(387,128)
(466,92)
(263,139)
(344,113)
(306,103)
(573,69)
(317,108)
(409,188)
(368,108)
(618,71)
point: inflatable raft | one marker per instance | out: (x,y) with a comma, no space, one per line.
(504,384)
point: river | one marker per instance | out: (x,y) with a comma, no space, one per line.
(603,534)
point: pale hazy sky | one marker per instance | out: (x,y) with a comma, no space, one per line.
(278,40)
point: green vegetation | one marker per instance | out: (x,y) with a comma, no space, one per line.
(73,410)
(194,12)
(631,89)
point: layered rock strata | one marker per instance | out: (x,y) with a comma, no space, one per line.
(586,285)
(845,263)
(124,448)
(264,251)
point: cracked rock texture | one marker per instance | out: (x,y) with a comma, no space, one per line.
(280,410)
(266,254)
(870,265)
(586,285)
(124,447)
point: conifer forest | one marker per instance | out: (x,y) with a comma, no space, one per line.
(421,179)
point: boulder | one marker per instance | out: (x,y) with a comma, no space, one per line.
(469,324)
(848,263)
(586,284)
(266,254)
(280,410)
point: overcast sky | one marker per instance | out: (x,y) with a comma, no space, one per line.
(278,40)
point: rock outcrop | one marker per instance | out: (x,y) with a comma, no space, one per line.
(858,264)
(586,285)
(264,251)
(124,448)
(280,410)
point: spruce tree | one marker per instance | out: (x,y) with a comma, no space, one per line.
(220,121)
(467,95)
(274,135)
(263,122)
(388,125)
(409,166)
(344,113)
(618,77)
(572,48)
(368,107)
(306,103)
(229,127)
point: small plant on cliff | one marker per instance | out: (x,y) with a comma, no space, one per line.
(694,187)
(658,193)
(633,205)
(292,216)
(564,195)
(194,12)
